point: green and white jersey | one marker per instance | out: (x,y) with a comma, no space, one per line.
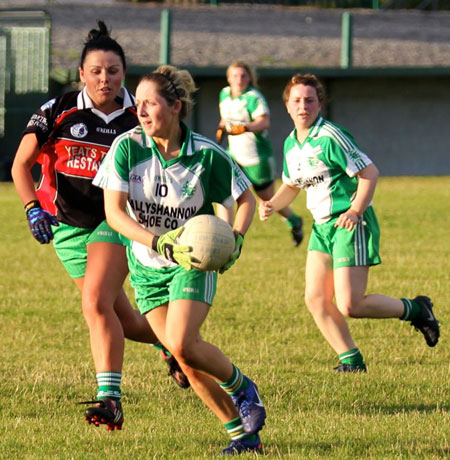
(163,195)
(325,165)
(246,148)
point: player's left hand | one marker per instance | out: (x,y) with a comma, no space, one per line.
(348,220)
(239,240)
(219,135)
(166,246)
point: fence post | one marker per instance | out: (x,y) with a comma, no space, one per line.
(165,47)
(375,4)
(346,41)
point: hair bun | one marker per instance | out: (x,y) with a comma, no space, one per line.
(102,31)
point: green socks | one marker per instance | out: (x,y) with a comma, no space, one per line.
(352,357)
(237,382)
(293,221)
(236,431)
(159,346)
(412,309)
(109,385)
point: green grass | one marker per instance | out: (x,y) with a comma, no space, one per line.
(399,410)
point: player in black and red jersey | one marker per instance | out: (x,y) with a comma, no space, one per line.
(69,136)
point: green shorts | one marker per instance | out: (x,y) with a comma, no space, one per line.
(262,174)
(156,286)
(71,244)
(348,249)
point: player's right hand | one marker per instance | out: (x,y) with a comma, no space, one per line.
(265,210)
(166,246)
(40,222)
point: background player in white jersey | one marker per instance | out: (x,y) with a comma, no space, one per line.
(69,136)
(245,118)
(155,177)
(339,180)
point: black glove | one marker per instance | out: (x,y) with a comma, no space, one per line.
(40,222)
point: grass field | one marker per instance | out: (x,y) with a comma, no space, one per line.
(399,410)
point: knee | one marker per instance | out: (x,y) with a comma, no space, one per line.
(183,352)
(191,374)
(93,305)
(350,308)
(314,303)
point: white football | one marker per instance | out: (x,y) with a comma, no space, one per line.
(212,241)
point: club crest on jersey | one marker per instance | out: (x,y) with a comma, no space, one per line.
(188,190)
(312,162)
(79,130)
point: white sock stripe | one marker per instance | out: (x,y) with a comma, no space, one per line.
(236,379)
(109,378)
(408,307)
(112,383)
(240,436)
(112,374)
(350,354)
(237,432)
(236,429)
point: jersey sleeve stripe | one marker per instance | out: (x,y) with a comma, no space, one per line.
(336,134)
(348,147)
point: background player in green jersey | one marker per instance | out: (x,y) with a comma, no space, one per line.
(339,180)
(154,178)
(68,136)
(245,118)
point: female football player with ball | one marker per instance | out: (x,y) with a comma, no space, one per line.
(339,180)
(69,136)
(155,177)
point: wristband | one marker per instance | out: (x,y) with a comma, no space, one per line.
(31,205)
(155,243)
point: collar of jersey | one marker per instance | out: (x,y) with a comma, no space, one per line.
(85,102)
(187,149)
(246,90)
(313,131)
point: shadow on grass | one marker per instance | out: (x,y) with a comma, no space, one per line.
(422,408)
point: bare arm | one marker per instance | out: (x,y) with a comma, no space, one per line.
(246,204)
(39,220)
(119,220)
(259,124)
(367,181)
(284,196)
(24,160)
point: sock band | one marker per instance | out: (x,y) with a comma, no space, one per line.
(109,385)
(235,429)
(236,383)
(412,309)
(352,356)
(293,221)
